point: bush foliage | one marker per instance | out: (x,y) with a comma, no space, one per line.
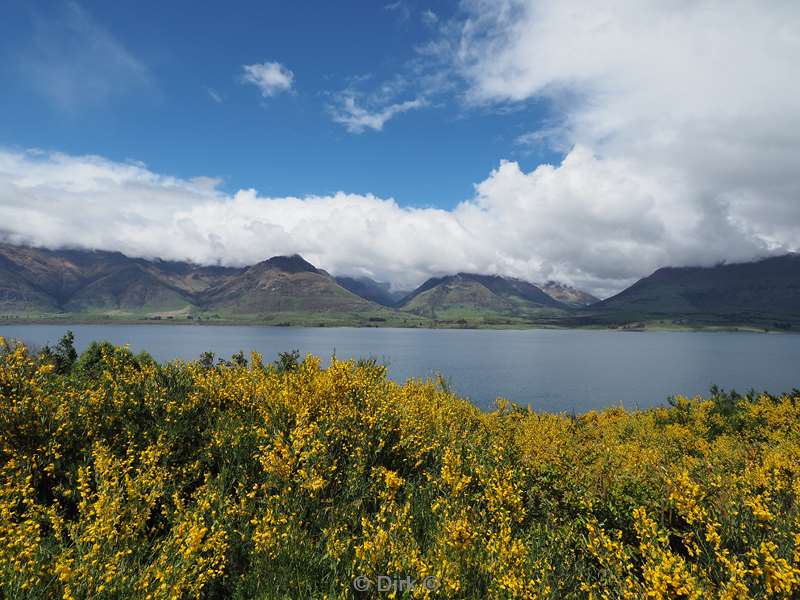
(123,478)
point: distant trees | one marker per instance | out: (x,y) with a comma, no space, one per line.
(92,361)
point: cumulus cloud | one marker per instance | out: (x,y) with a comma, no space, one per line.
(358,119)
(591,222)
(74,61)
(696,99)
(270,77)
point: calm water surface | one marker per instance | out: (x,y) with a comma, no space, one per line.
(552,370)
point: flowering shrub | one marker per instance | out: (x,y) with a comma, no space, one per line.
(129,479)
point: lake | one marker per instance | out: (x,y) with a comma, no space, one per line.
(552,370)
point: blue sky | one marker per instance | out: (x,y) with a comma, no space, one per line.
(588,142)
(184,110)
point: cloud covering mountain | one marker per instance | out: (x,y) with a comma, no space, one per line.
(681,137)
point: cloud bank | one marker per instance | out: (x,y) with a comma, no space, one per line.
(590,222)
(697,98)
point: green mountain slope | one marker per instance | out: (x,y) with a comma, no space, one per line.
(469,297)
(18,296)
(757,292)
(283,284)
(130,289)
(35,281)
(41,283)
(88,282)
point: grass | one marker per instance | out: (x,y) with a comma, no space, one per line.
(449,320)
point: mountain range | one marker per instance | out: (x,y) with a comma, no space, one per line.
(38,283)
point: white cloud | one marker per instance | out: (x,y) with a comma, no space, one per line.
(270,77)
(74,61)
(357,119)
(593,222)
(696,99)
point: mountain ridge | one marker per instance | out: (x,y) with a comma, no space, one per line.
(109,283)
(370,289)
(93,284)
(759,292)
(464,295)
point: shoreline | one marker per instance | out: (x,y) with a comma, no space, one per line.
(316,324)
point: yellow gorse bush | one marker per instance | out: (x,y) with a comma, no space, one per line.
(185,480)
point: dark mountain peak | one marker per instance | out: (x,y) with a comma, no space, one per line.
(369,289)
(767,289)
(289,264)
(432,283)
(785,265)
(363,279)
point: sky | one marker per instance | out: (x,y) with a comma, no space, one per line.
(586,142)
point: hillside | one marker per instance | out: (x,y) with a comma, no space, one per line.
(467,296)
(36,282)
(567,294)
(762,292)
(283,284)
(369,289)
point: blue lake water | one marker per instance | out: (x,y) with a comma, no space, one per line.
(552,370)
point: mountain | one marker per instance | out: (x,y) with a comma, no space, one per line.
(468,296)
(567,294)
(369,289)
(35,280)
(17,294)
(127,289)
(39,282)
(283,284)
(765,292)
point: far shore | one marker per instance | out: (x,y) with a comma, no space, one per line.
(649,326)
